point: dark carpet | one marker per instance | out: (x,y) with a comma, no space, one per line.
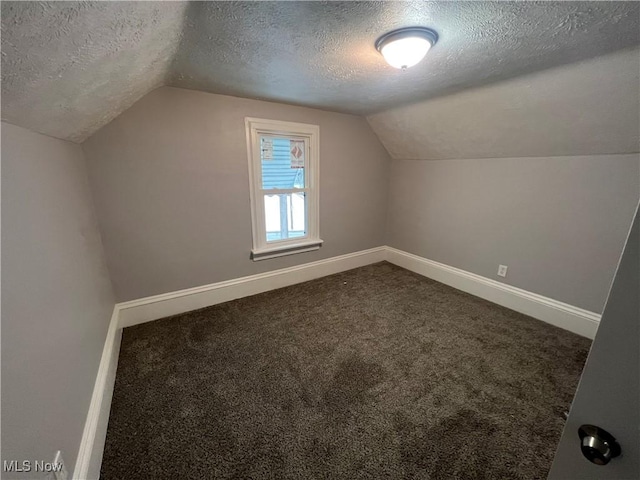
(372,373)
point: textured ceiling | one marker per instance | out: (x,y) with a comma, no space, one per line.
(68,68)
(576,109)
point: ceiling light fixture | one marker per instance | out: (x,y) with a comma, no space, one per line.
(405,47)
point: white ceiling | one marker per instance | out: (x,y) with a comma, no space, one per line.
(586,108)
(68,68)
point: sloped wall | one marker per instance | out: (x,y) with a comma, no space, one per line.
(68,68)
(587,108)
(520,173)
(56,298)
(171,184)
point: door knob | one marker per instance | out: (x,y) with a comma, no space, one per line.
(597,445)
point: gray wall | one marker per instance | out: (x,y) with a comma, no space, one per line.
(559,223)
(609,389)
(56,297)
(497,180)
(170,181)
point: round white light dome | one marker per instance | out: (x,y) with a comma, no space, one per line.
(405,52)
(405,48)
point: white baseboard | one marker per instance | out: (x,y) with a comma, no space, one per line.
(160,306)
(568,317)
(126,314)
(574,319)
(95,428)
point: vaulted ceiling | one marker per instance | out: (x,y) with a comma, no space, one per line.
(68,68)
(586,108)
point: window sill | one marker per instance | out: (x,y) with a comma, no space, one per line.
(282,250)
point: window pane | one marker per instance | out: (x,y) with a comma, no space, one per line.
(285,216)
(282,161)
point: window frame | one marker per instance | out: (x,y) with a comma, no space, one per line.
(261,249)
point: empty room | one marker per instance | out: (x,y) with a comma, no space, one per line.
(320,240)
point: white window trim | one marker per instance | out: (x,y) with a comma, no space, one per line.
(261,249)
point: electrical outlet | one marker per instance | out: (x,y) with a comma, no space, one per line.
(57,470)
(502,270)
(62,473)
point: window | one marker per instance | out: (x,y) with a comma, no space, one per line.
(283,171)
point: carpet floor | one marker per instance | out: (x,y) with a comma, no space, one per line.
(371,373)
